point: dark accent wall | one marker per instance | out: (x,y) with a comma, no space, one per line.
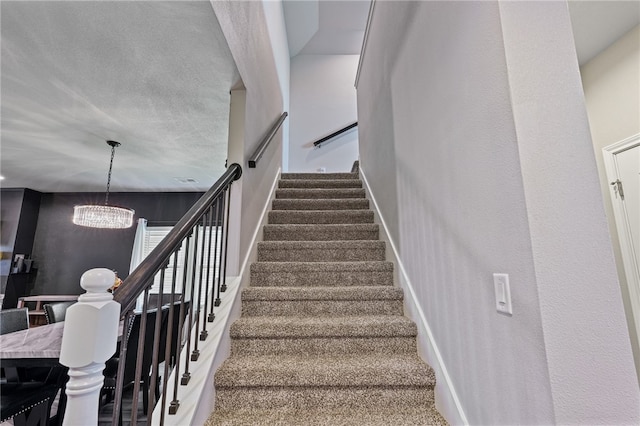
(11,206)
(18,220)
(64,251)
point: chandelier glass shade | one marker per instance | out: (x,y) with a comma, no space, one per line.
(104,215)
(101,216)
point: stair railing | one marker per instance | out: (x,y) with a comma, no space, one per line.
(262,146)
(186,273)
(329,137)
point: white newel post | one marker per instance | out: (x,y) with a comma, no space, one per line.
(89,340)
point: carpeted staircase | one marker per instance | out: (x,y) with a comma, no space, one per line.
(322,339)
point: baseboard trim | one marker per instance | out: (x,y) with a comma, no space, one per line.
(447,401)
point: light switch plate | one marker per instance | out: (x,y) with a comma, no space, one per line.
(503,293)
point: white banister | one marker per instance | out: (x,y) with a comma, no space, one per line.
(89,340)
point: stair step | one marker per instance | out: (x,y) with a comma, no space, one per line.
(320,216)
(315,308)
(312,346)
(351,416)
(324,193)
(325,371)
(385,334)
(322,301)
(321,204)
(307,398)
(317,176)
(319,183)
(353,293)
(293,274)
(320,251)
(337,232)
(307,327)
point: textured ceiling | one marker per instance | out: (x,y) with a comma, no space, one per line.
(154,76)
(597,24)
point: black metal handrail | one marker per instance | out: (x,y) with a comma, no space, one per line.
(139,279)
(266,140)
(319,142)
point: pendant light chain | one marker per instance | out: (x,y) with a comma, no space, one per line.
(113,145)
(106,197)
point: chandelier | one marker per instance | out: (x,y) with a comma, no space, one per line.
(104,215)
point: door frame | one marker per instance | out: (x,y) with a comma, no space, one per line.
(630,265)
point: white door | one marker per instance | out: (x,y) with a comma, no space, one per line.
(622,161)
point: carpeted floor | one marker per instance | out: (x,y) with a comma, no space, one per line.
(323,339)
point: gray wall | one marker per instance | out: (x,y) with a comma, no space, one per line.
(475,142)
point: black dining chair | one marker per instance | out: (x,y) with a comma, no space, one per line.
(56,312)
(175,320)
(111,368)
(28,404)
(13,320)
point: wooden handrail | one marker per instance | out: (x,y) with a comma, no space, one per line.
(140,278)
(253,160)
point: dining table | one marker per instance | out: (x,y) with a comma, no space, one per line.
(35,346)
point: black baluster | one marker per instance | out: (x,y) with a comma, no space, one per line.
(221,231)
(195,353)
(204,333)
(226,242)
(168,346)
(186,376)
(212,316)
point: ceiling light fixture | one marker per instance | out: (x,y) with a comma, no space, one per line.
(104,216)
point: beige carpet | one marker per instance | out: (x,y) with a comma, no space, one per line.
(323,339)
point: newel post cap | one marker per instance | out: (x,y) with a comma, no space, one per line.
(91,325)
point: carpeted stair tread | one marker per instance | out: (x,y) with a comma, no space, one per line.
(321,232)
(268,274)
(320,204)
(329,398)
(374,266)
(320,193)
(325,371)
(352,416)
(320,183)
(321,251)
(315,176)
(306,327)
(314,308)
(322,293)
(314,346)
(320,216)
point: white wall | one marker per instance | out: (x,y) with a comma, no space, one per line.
(571,247)
(274,15)
(611,83)
(460,152)
(244,25)
(323,100)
